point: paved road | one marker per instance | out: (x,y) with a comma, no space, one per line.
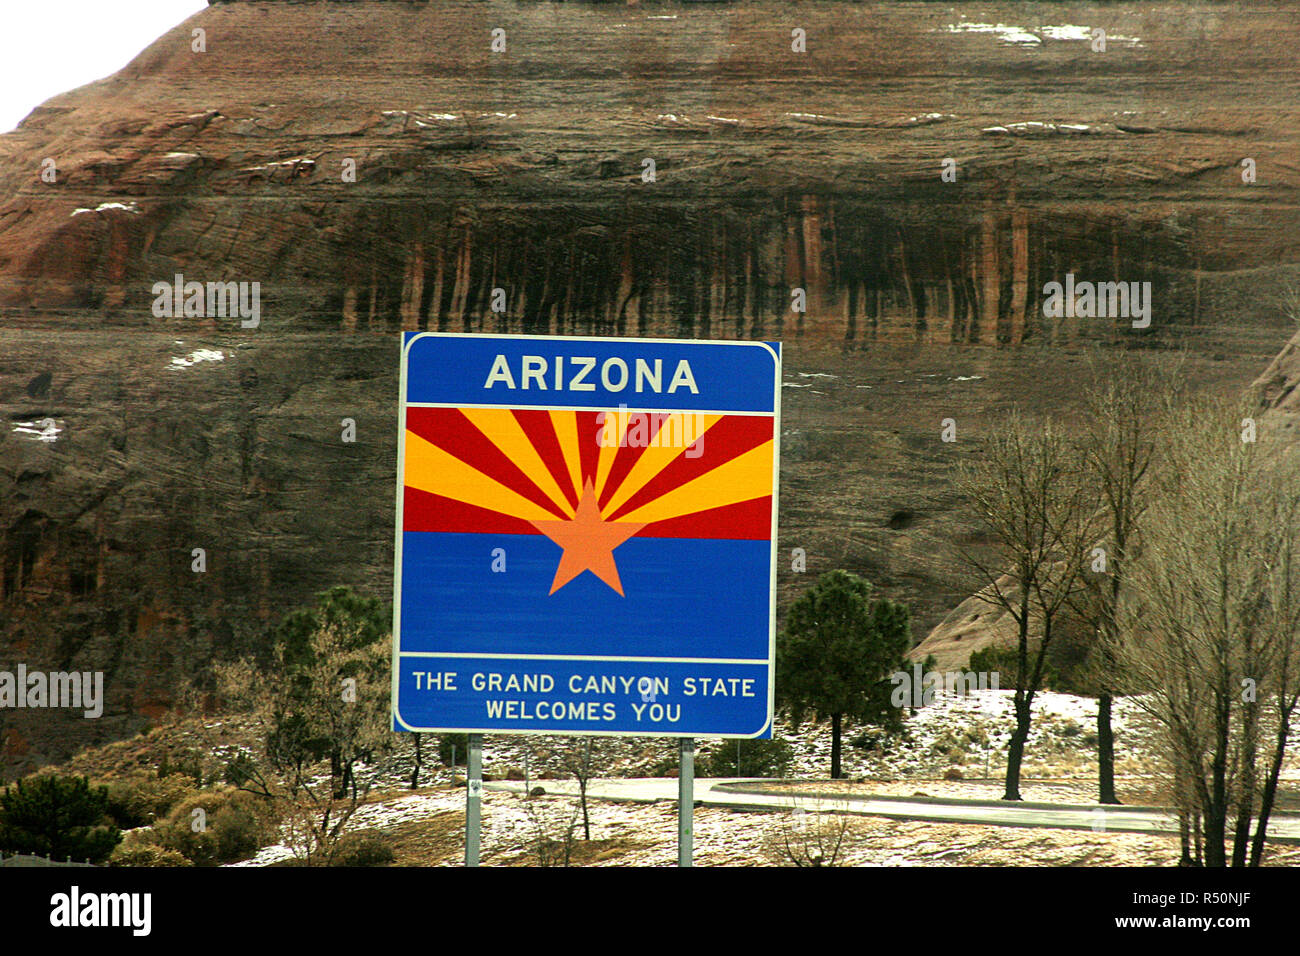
(750,795)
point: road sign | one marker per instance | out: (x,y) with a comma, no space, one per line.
(586,533)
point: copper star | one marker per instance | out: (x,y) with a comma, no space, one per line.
(588,541)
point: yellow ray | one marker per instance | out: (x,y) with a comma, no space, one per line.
(741,479)
(429,468)
(566,431)
(655,459)
(504,431)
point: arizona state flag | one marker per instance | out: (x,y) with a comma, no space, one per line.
(586,535)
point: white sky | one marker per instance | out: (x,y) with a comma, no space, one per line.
(50,46)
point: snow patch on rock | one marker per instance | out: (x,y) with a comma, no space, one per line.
(43,430)
(128,207)
(195,357)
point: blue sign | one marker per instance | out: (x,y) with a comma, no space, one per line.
(586,532)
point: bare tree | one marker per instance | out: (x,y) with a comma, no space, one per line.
(1123,413)
(418,763)
(320,711)
(552,850)
(1208,635)
(1029,493)
(580,758)
(1282,593)
(804,839)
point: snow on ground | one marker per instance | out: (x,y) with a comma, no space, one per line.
(411,808)
(819,119)
(924,119)
(298,162)
(968,732)
(972,732)
(646,834)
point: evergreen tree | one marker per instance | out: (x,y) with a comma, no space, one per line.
(836,653)
(63,818)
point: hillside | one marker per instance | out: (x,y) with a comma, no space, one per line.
(133,438)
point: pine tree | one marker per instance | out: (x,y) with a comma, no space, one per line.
(62,818)
(836,653)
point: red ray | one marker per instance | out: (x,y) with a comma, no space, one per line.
(729,438)
(454,433)
(536,424)
(627,456)
(424,511)
(744,520)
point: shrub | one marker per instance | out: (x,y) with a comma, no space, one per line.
(665,766)
(188,763)
(1065,670)
(758,758)
(875,739)
(804,839)
(1005,661)
(364,848)
(232,827)
(241,829)
(139,800)
(138,853)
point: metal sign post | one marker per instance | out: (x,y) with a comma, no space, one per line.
(473,798)
(686,801)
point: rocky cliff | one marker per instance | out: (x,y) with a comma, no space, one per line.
(377,166)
